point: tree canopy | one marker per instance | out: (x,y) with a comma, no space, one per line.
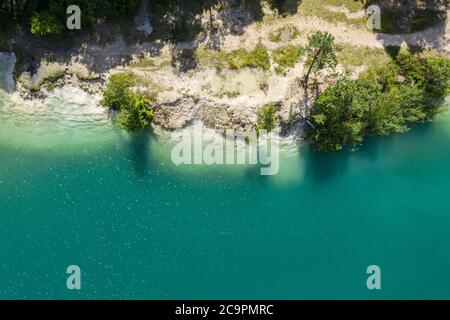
(385,99)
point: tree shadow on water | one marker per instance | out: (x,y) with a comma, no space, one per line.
(324,166)
(321,166)
(139,152)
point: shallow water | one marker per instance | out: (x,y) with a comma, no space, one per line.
(74,190)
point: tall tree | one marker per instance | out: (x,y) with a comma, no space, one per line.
(321,55)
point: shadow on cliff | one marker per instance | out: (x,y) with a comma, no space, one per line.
(419,23)
(178,22)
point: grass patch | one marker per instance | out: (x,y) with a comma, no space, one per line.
(317,8)
(287,57)
(236,59)
(285,33)
(48,82)
(349,55)
(144,62)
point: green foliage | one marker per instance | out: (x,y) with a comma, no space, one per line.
(236,59)
(137,114)
(321,52)
(320,9)
(44,23)
(428,71)
(383,100)
(339,115)
(48,81)
(117,94)
(286,57)
(49,17)
(267,117)
(134,109)
(356,56)
(241,58)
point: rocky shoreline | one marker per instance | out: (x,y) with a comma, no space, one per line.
(183,98)
(221,99)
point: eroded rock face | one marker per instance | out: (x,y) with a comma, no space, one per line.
(182,111)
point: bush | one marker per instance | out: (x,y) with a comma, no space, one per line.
(45,23)
(429,71)
(50,80)
(137,114)
(134,109)
(241,58)
(286,57)
(117,94)
(267,117)
(236,59)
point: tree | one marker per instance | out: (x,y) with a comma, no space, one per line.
(340,114)
(383,100)
(320,56)
(267,117)
(134,109)
(46,23)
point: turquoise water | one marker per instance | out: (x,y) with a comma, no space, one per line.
(74,190)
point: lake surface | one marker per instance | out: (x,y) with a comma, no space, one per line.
(74,190)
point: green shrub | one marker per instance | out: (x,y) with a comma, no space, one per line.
(430,71)
(117,94)
(45,23)
(267,117)
(50,80)
(134,110)
(241,58)
(287,57)
(137,114)
(236,59)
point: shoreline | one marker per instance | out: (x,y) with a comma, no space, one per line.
(219,98)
